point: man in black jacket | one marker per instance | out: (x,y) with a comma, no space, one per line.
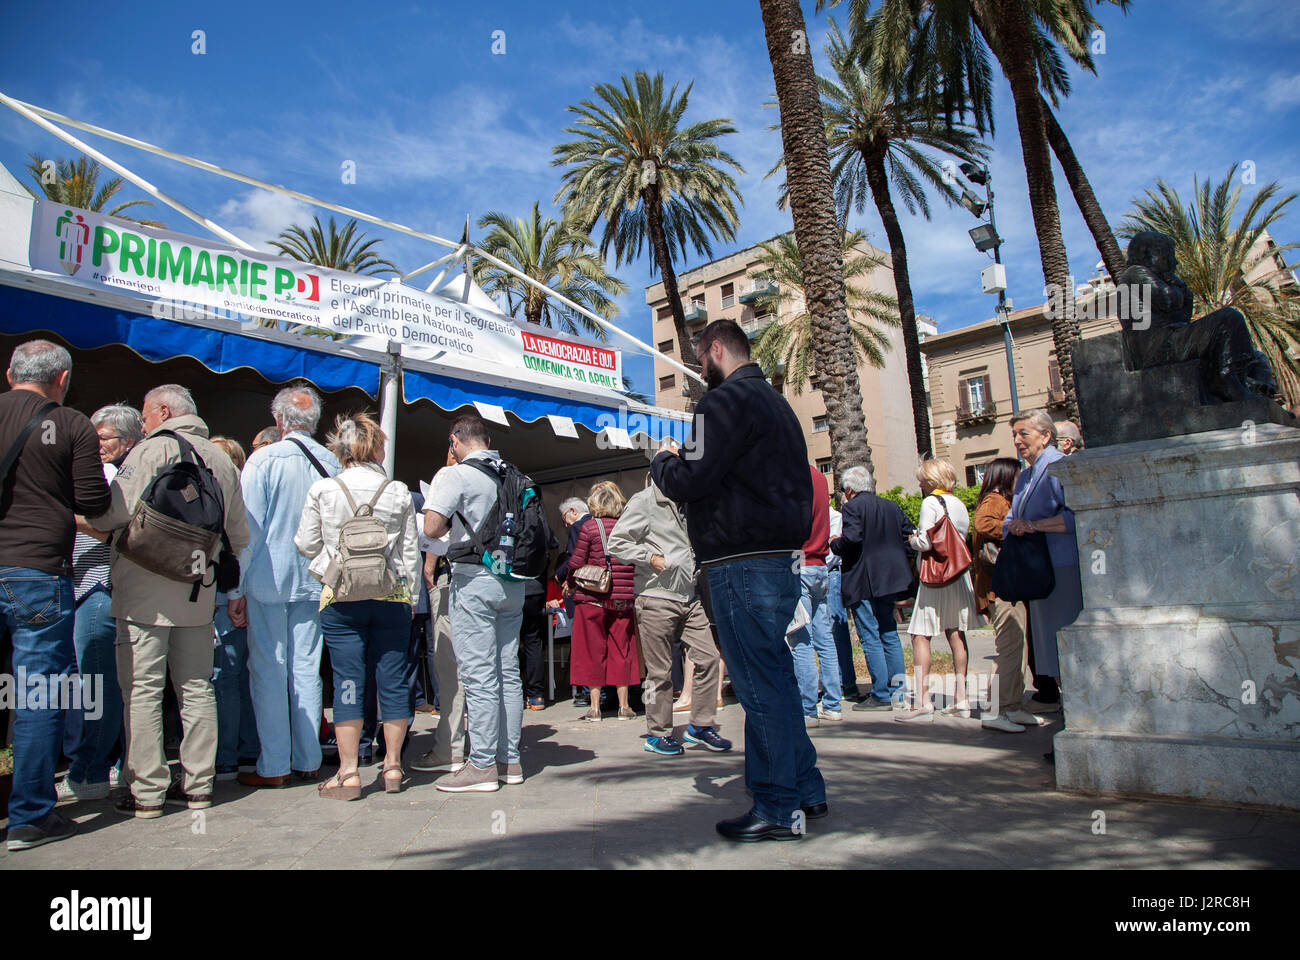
(747,493)
(876,570)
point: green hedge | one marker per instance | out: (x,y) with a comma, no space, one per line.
(911,502)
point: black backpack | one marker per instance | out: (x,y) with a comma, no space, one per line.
(517,494)
(179,523)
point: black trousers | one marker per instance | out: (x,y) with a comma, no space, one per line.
(532,635)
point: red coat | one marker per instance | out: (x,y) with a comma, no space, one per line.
(588,551)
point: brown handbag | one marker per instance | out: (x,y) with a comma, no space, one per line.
(592,577)
(948,557)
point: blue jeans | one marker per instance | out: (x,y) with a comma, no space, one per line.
(753,603)
(840,633)
(369,638)
(878,634)
(36,610)
(816,636)
(284,645)
(94,733)
(236,724)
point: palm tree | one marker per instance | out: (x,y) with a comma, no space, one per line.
(557,254)
(338,250)
(75,182)
(878,137)
(789,340)
(649,178)
(1227,264)
(816,228)
(940,50)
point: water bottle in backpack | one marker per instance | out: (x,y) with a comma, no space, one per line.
(506,542)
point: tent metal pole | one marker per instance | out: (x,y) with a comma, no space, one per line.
(390,379)
(429,266)
(113,165)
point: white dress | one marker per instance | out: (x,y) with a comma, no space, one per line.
(952,606)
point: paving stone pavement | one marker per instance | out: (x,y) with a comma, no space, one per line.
(946,794)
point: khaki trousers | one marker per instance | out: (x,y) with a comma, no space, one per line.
(450,741)
(660,621)
(144,655)
(1008,621)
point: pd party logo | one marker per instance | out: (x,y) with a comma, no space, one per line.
(308,288)
(74,237)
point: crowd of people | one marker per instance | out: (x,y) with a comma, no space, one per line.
(351,591)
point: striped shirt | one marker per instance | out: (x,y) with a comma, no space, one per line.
(91,558)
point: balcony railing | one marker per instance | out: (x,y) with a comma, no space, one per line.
(968,413)
(756,326)
(697,314)
(756,290)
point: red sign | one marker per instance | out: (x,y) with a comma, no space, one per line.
(564,351)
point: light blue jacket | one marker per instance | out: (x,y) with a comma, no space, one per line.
(1047,499)
(275,481)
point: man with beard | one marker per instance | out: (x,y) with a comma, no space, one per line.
(748,497)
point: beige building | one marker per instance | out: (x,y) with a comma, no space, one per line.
(726,288)
(970,389)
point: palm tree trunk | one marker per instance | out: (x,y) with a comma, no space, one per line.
(1083,195)
(1016,59)
(663,259)
(878,179)
(816,229)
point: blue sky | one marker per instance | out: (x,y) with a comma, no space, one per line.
(439,127)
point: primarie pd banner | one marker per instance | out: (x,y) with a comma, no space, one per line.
(94,250)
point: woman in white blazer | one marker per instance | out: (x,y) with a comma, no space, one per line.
(366,638)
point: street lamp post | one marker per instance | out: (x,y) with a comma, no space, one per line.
(988,239)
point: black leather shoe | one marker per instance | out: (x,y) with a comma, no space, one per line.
(751,828)
(815,811)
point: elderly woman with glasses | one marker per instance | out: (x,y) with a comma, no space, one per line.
(94,744)
(1038,506)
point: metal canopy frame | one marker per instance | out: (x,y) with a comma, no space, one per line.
(49,121)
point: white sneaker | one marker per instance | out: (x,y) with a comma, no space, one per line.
(916,716)
(810,721)
(1024,716)
(825,714)
(1000,722)
(69,789)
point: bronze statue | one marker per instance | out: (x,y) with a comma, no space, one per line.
(1164,332)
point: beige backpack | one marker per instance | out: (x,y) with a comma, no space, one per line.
(360,570)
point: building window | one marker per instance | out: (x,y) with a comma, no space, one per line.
(814,382)
(1056,391)
(665,346)
(975,474)
(821,424)
(664,313)
(827,467)
(728,294)
(668,382)
(975,402)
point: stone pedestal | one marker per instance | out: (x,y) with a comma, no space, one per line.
(1182,675)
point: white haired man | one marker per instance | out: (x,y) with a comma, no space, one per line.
(281,599)
(1068,438)
(51,455)
(165,624)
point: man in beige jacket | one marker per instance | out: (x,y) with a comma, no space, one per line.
(159,626)
(651,535)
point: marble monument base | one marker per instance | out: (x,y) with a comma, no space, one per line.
(1181,678)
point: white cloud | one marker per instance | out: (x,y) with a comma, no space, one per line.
(1282,91)
(258,216)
